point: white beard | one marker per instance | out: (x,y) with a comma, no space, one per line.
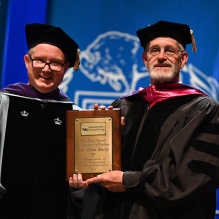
(164,75)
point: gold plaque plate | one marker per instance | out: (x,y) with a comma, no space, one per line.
(93,142)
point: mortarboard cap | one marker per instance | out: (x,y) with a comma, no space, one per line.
(43,33)
(179,32)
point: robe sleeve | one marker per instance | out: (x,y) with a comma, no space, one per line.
(4,105)
(187,163)
(123,104)
(85,202)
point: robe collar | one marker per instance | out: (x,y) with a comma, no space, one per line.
(162,92)
(29,91)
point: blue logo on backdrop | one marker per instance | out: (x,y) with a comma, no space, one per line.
(113,60)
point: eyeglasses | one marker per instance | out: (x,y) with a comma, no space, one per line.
(40,64)
(170,52)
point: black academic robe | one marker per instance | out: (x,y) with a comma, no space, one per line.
(161,150)
(34,157)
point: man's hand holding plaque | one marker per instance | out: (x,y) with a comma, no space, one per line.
(111,180)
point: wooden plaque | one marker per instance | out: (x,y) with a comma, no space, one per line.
(93,142)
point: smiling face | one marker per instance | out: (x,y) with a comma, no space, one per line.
(45,80)
(163,68)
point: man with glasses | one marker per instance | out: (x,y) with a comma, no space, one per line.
(170,141)
(33,129)
(40,64)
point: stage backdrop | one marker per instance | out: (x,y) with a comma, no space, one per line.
(111,63)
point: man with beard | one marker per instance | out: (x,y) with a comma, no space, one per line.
(170,141)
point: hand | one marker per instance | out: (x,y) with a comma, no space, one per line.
(97,107)
(111,180)
(122,122)
(76,181)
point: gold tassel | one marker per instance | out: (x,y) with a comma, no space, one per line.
(77,61)
(194,48)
